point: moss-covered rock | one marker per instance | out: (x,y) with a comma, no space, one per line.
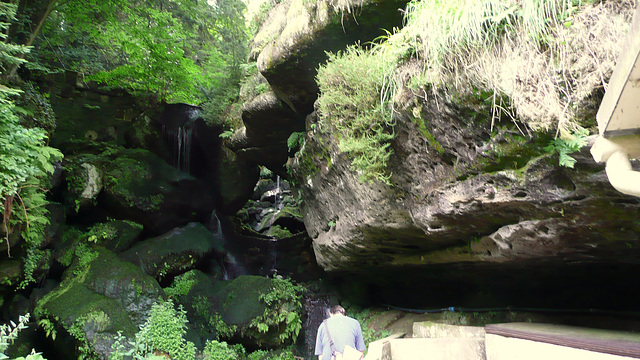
(83,179)
(114,235)
(99,296)
(10,273)
(178,250)
(237,310)
(236,177)
(142,187)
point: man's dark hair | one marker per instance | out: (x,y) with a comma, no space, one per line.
(337,309)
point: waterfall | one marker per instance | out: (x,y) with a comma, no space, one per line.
(180,143)
(229,265)
(178,123)
(315,309)
(277,197)
(183,152)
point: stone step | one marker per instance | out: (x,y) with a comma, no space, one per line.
(512,341)
(377,349)
(428,329)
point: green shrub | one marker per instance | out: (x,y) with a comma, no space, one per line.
(295,141)
(355,102)
(163,332)
(181,286)
(9,333)
(283,309)
(215,350)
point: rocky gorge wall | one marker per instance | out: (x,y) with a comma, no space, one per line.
(475,212)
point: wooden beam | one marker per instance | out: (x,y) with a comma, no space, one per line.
(619,111)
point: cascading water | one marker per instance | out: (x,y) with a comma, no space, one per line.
(178,128)
(230,266)
(315,310)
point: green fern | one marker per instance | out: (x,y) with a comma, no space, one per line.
(568,145)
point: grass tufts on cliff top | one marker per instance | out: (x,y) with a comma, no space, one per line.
(354,103)
(548,57)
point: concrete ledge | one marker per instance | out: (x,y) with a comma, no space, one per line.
(617,343)
(506,348)
(380,349)
(437,349)
(428,329)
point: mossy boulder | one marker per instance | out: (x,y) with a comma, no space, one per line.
(10,273)
(140,186)
(174,252)
(236,178)
(100,295)
(114,235)
(232,310)
(83,180)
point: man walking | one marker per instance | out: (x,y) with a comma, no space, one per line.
(337,332)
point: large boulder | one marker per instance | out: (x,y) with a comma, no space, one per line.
(113,235)
(236,178)
(479,212)
(237,310)
(99,296)
(174,252)
(140,186)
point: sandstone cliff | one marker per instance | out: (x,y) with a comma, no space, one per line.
(474,209)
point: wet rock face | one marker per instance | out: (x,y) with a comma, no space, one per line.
(483,206)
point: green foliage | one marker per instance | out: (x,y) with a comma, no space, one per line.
(295,141)
(213,320)
(25,160)
(279,232)
(85,256)
(265,173)
(10,54)
(49,328)
(283,309)
(355,102)
(77,331)
(9,333)
(186,51)
(227,134)
(163,332)
(369,333)
(181,286)
(215,350)
(100,232)
(569,145)
(32,261)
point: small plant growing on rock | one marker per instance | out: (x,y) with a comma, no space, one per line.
(215,350)
(283,309)
(162,333)
(9,333)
